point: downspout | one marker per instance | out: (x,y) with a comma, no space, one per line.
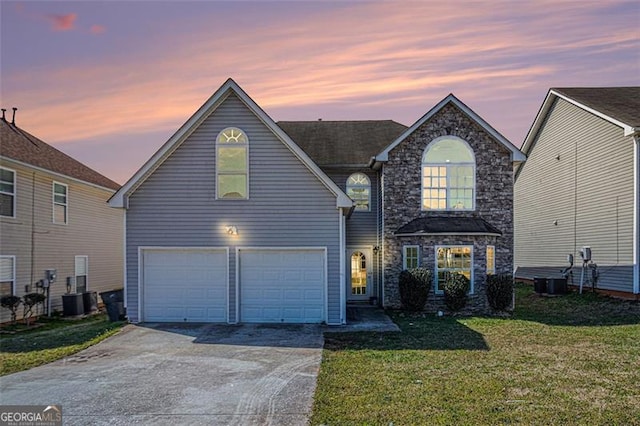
(124,253)
(636,214)
(382,240)
(33,228)
(343,251)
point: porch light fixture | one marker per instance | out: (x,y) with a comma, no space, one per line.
(232,230)
(376,249)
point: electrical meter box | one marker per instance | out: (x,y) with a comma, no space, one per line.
(586,253)
(50,275)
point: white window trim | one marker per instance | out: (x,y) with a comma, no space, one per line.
(435,267)
(54,203)
(404,255)
(75,271)
(360,186)
(15,191)
(491,271)
(246,146)
(422,166)
(13,271)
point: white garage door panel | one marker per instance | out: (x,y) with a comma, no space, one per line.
(185,285)
(282,286)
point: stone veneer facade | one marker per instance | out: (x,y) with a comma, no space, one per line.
(401,180)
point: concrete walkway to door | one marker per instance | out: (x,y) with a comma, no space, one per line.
(181,374)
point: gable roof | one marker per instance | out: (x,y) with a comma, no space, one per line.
(618,105)
(342,143)
(230,86)
(516,154)
(22,147)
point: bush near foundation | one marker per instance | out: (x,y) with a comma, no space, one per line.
(414,285)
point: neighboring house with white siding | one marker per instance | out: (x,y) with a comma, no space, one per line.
(239,219)
(581,187)
(54,215)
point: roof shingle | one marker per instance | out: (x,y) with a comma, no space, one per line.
(336,143)
(19,145)
(620,103)
(448,226)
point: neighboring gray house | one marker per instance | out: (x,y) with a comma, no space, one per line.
(581,187)
(54,215)
(239,219)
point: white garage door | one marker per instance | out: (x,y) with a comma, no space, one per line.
(283,286)
(184,285)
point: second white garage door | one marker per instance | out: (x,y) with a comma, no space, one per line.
(282,286)
(184,285)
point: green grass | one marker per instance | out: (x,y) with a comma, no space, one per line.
(563,360)
(54,340)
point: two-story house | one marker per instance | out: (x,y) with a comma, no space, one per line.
(239,219)
(54,216)
(581,188)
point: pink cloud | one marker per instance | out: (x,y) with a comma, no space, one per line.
(97,29)
(62,22)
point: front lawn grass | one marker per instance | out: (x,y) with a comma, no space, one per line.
(54,340)
(573,359)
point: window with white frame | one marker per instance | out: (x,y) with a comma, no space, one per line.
(7,192)
(448,175)
(453,259)
(60,203)
(410,257)
(491,260)
(82,272)
(359,190)
(7,275)
(232,164)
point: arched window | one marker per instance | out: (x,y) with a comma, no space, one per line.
(359,190)
(448,175)
(232,166)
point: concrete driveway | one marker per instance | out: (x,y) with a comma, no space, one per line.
(181,374)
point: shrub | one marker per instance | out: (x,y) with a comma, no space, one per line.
(414,285)
(500,291)
(30,300)
(456,287)
(11,303)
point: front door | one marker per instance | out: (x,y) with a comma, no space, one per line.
(360,279)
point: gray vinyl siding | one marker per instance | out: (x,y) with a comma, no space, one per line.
(93,229)
(579,173)
(362,227)
(287,207)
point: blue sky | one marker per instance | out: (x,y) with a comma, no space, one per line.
(100,79)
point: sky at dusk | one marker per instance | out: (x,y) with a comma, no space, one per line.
(109,82)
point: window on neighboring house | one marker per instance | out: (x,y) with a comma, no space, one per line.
(453,259)
(359,190)
(410,257)
(232,166)
(7,275)
(448,175)
(60,203)
(491,260)
(7,192)
(82,268)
